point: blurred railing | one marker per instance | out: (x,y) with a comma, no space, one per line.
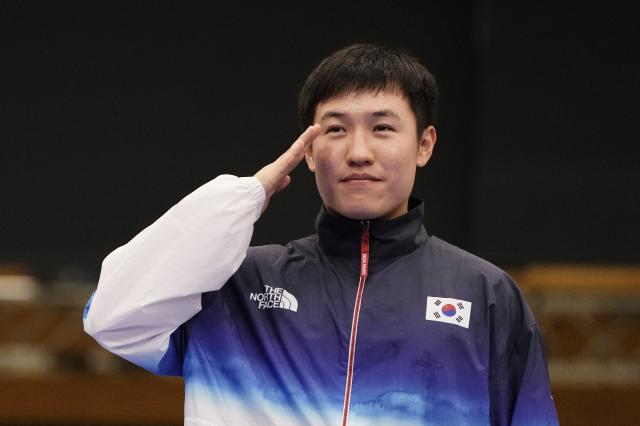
(51,373)
(590,317)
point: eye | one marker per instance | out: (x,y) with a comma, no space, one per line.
(334,129)
(382,128)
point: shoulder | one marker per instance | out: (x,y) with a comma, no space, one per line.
(495,287)
(448,256)
(275,253)
(481,279)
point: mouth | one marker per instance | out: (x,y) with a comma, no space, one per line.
(360,177)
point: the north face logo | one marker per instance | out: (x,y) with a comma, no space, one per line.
(275,297)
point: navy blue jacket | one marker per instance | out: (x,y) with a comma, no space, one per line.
(362,323)
(407,368)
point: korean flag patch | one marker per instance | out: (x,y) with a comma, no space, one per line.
(452,311)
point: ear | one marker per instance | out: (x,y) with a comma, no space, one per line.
(426,145)
(309,158)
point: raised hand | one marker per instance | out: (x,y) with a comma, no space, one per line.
(274,177)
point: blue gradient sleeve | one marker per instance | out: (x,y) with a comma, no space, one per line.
(171,363)
(520,387)
(534,401)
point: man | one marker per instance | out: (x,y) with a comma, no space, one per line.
(368,321)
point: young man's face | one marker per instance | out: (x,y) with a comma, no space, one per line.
(366,156)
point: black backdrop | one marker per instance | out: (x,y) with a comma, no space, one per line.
(113,112)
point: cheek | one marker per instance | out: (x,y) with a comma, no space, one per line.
(401,165)
(323,168)
(324,161)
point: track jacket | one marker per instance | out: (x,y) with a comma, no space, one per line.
(362,323)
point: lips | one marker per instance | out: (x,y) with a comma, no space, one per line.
(359,177)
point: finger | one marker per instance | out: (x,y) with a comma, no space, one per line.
(295,153)
(274,176)
(308,136)
(284,182)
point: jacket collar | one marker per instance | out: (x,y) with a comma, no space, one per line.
(388,239)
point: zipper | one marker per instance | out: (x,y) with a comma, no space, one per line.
(364,271)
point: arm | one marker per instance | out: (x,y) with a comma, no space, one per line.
(519,384)
(534,402)
(153,284)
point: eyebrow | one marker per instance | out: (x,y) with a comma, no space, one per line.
(385,113)
(380,113)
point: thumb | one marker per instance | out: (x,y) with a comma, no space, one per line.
(284,182)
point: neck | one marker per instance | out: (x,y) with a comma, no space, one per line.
(340,236)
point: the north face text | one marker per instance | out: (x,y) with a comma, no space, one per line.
(275,297)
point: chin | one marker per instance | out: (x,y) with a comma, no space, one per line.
(363,212)
(357,213)
(360,216)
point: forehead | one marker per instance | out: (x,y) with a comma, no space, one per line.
(366,103)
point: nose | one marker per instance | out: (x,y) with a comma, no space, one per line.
(359,152)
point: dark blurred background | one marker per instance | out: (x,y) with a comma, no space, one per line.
(111,112)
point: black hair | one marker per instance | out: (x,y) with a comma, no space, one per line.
(370,67)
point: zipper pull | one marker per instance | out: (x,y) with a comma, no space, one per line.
(364,250)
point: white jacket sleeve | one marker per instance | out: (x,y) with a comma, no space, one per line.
(153,284)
